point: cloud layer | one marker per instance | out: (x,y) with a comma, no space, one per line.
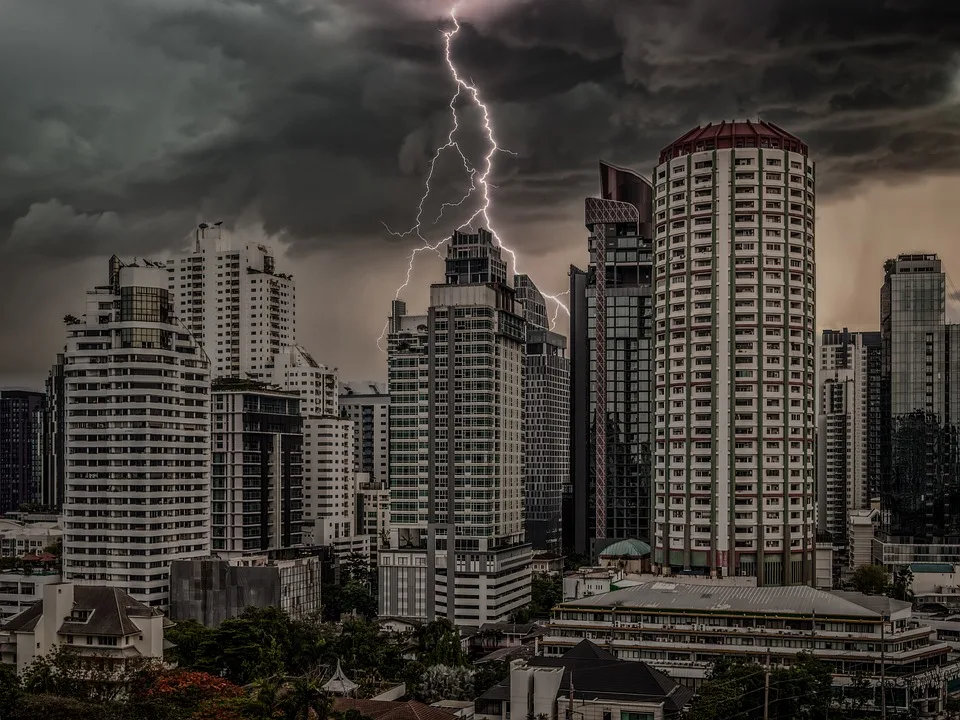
(125,122)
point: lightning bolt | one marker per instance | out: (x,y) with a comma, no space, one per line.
(479,180)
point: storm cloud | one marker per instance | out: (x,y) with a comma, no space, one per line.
(313,122)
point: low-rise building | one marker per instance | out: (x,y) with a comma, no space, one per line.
(97,622)
(684,629)
(211,590)
(587,682)
(861,527)
(17,538)
(547,563)
(20,589)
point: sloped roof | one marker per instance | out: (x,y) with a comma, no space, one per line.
(792,600)
(340,684)
(110,612)
(392,709)
(597,674)
(626,548)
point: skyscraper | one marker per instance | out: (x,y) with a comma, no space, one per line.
(257,470)
(546,421)
(22,447)
(55,449)
(848,426)
(137,446)
(611,345)
(457,546)
(920,377)
(229,294)
(735,353)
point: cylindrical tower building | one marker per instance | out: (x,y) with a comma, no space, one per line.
(734,487)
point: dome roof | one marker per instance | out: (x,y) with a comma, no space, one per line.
(626,548)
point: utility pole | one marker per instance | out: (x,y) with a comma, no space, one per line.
(766,689)
(883,667)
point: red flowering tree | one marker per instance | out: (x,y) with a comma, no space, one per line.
(189,690)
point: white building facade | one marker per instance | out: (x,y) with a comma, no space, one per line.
(231,297)
(735,354)
(367,404)
(137,446)
(848,430)
(457,547)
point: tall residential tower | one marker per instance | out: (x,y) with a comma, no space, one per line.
(229,294)
(137,438)
(546,420)
(735,354)
(457,547)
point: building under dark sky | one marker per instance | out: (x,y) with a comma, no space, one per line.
(21,447)
(611,325)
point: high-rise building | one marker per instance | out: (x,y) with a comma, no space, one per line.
(51,492)
(257,469)
(367,404)
(229,294)
(848,428)
(137,437)
(611,346)
(457,546)
(22,447)
(920,378)
(546,421)
(294,370)
(735,354)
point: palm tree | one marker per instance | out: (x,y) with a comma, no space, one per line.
(305,699)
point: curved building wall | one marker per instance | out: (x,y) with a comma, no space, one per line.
(734,355)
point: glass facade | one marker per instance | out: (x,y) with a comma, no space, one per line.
(920,479)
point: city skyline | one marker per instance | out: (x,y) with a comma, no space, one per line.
(317,188)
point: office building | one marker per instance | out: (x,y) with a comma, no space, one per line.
(457,546)
(611,346)
(546,421)
(137,438)
(920,379)
(211,590)
(683,630)
(229,294)
(367,404)
(257,469)
(22,447)
(735,354)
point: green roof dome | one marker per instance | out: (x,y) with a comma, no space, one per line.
(626,548)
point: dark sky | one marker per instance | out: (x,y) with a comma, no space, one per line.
(310,123)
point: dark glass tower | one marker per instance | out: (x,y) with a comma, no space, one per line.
(920,386)
(611,321)
(21,448)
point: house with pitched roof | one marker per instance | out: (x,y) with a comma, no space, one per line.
(104,625)
(586,683)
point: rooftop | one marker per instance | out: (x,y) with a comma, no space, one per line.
(733,133)
(392,709)
(626,548)
(794,600)
(931,568)
(110,610)
(600,675)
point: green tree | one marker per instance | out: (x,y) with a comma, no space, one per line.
(901,587)
(304,699)
(488,674)
(871,579)
(192,643)
(10,690)
(445,682)
(802,690)
(438,643)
